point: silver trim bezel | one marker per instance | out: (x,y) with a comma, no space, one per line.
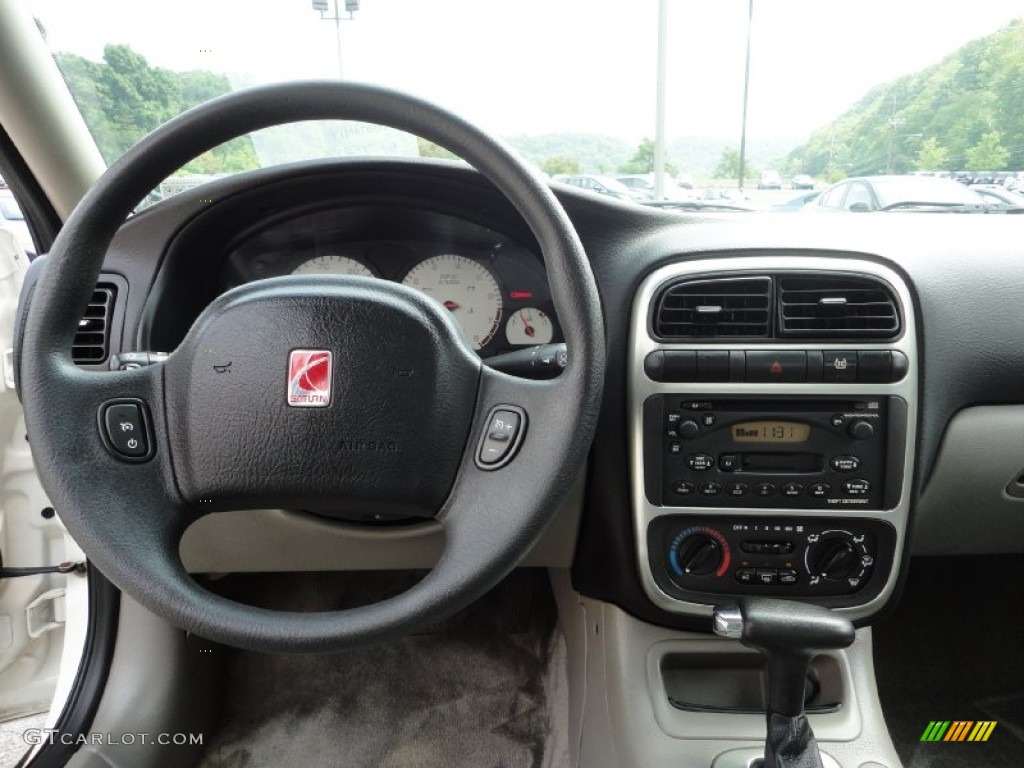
(640,387)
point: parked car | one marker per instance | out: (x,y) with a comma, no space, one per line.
(797,203)
(802,181)
(13,219)
(769,180)
(999,195)
(883,193)
(641,186)
(604,185)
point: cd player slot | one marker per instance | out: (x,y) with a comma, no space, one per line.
(779,462)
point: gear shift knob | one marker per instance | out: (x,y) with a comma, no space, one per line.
(789,634)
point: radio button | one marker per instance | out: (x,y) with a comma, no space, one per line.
(700,461)
(838,420)
(787,576)
(839,366)
(792,489)
(776,366)
(737,489)
(683,488)
(711,489)
(708,419)
(856,487)
(745,575)
(819,490)
(728,462)
(675,447)
(845,463)
(764,489)
(766,576)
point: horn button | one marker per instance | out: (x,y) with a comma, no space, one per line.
(339,395)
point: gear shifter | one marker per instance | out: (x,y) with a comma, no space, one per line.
(789,634)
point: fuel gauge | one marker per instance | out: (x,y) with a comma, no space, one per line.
(529,326)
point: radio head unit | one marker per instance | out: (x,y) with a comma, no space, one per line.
(725,451)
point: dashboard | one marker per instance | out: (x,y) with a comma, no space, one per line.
(711,451)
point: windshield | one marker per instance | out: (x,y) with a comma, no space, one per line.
(878,88)
(9,208)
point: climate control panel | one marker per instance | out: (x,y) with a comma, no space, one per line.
(835,561)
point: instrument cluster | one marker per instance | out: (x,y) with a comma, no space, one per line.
(495,288)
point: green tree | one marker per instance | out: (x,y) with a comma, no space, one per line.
(643,160)
(988,154)
(932,156)
(729,165)
(430,149)
(560,164)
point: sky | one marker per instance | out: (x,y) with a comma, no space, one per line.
(541,66)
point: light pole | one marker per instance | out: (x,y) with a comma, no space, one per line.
(746,92)
(659,120)
(351,6)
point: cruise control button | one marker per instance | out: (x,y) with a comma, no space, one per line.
(856,487)
(787,576)
(700,461)
(736,489)
(844,463)
(745,575)
(500,437)
(792,489)
(683,488)
(764,489)
(126,430)
(766,576)
(711,489)
(776,366)
(819,490)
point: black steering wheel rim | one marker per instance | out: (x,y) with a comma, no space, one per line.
(128,517)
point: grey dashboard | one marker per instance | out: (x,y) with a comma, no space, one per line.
(964,276)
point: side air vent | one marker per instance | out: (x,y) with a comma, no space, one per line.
(721,308)
(836,306)
(92,342)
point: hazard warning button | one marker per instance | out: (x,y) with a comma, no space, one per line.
(776,366)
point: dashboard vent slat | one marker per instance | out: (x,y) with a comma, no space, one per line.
(92,341)
(720,308)
(847,306)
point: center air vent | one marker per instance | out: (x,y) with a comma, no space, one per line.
(846,306)
(727,307)
(92,342)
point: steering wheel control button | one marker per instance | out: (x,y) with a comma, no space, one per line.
(700,462)
(502,435)
(776,366)
(839,366)
(125,430)
(845,463)
(856,487)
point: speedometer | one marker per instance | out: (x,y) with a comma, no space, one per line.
(333,265)
(464,287)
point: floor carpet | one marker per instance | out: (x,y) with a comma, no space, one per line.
(954,650)
(482,690)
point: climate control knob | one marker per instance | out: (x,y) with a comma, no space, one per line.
(834,558)
(699,554)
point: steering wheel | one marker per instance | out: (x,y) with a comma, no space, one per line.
(343,392)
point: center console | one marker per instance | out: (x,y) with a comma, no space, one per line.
(773,407)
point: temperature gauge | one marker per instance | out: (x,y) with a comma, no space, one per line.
(529,326)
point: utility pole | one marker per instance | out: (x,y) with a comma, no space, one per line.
(746,93)
(659,120)
(351,6)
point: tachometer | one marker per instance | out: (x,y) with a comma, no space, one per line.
(466,288)
(333,265)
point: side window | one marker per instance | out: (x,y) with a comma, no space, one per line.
(834,197)
(859,193)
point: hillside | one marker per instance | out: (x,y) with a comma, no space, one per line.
(966,112)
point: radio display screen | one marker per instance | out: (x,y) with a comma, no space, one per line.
(770,432)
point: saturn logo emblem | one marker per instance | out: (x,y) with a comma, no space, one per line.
(309,378)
